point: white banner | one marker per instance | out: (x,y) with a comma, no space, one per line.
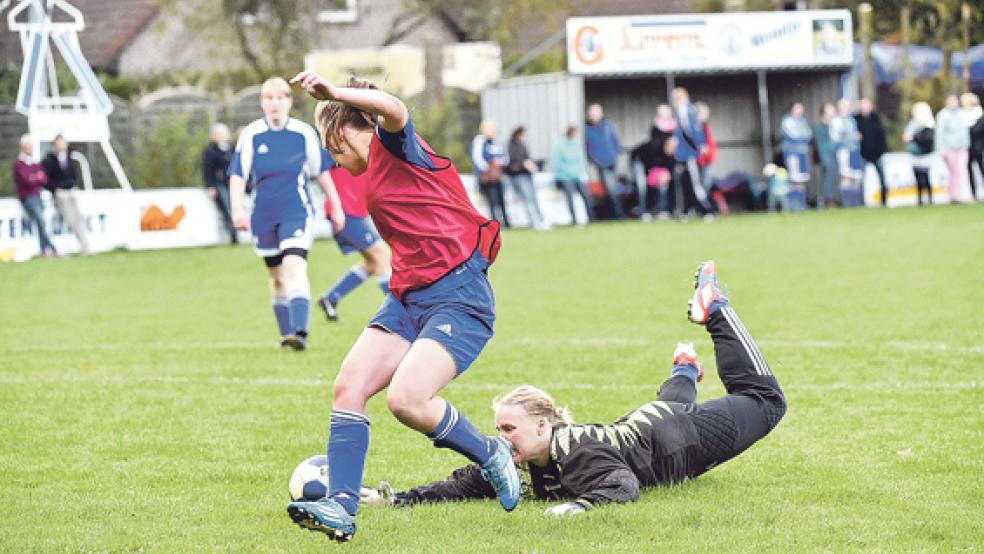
(897,167)
(703,42)
(138,220)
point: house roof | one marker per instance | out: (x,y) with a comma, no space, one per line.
(110,25)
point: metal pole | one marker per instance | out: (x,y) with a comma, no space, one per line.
(765,120)
(965,24)
(670,85)
(906,82)
(867,75)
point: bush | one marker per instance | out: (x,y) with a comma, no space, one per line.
(168,154)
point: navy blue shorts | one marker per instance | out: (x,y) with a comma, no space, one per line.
(270,239)
(457,311)
(357,235)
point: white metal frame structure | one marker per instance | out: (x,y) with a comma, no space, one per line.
(82,118)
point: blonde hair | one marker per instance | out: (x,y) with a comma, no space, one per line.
(535,402)
(923,115)
(274,85)
(330,116)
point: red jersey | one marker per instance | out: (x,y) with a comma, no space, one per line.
(351,191)
(425,216)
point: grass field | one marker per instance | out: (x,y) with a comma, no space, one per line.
(146,407)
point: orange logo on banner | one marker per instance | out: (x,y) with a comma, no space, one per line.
(587,48)
(154,219)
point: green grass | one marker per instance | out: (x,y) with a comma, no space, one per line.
(145,406)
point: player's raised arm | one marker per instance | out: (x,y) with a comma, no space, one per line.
(391,111)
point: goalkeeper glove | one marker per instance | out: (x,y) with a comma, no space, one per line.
(566,509)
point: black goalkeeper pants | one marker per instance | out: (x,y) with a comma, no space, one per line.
(727,426)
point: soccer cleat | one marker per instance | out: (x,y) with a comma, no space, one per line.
(297,341)
(684,355)
(501,472)
(328,307)
(323,516)
(707,297)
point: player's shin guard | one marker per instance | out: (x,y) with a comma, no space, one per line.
(281,311)
(347,447)
(457,433)
(348,282)
(384,283)
(300,312)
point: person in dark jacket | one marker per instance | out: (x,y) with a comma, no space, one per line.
(663,442)
(63,184)
(603,151)
(655,162)
(520,171)
(973,114)
(873,144)
(215,166)
(29,177)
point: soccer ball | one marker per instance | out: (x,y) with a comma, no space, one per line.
(309,482)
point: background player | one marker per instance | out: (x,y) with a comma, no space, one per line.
(280,153)
(359,235)
(438,315)
(662,442)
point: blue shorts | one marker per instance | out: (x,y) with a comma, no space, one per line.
(270,239)
(457,311)
(798,166)
(357,235)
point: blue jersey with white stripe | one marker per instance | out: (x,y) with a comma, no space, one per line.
(280,162)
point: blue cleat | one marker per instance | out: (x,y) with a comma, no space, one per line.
(708,297)
(501,472)
(324,516)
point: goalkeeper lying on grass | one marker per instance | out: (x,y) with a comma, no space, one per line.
(662,442)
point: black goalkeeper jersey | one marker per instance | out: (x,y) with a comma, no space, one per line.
(654,444)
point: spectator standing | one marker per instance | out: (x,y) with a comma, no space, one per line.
(655,163)
(796,137)
(873,145)
(827,156)
(63,184)
(603,150)
(974,120)
(709,152)
(844,133)
(570,172)
(952,142)
(520,171)
(215,166)
(919,136)
(29,178)
(488,158)
(690,141)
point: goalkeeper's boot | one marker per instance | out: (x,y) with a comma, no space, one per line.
(685,361)
(501,472)
(708,296)
(324,516)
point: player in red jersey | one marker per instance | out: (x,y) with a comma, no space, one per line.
(438,315)
(358,235)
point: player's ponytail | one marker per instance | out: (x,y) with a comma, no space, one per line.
(535,402)
(331,116)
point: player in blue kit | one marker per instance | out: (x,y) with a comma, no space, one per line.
(280,153)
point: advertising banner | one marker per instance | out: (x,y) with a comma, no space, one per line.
(709,42)
(897,167)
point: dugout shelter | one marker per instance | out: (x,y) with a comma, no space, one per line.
(748,67)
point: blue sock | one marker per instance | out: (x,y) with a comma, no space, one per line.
(281,310)
(348,282)
(457,433)
(347,446)
(300,312)
(687,370)
(384,282)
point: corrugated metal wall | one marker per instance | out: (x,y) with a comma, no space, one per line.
(544,104)
(547,103)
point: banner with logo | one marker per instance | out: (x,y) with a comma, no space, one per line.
(138,220)
(705,42)
(897,167)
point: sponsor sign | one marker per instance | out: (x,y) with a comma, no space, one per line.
(897,167)
(705,42)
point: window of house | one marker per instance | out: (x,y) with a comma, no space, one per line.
(338,11)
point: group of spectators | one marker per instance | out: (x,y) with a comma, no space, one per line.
(56,173)
(673,162)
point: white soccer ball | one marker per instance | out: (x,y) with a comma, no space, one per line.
(309,482)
